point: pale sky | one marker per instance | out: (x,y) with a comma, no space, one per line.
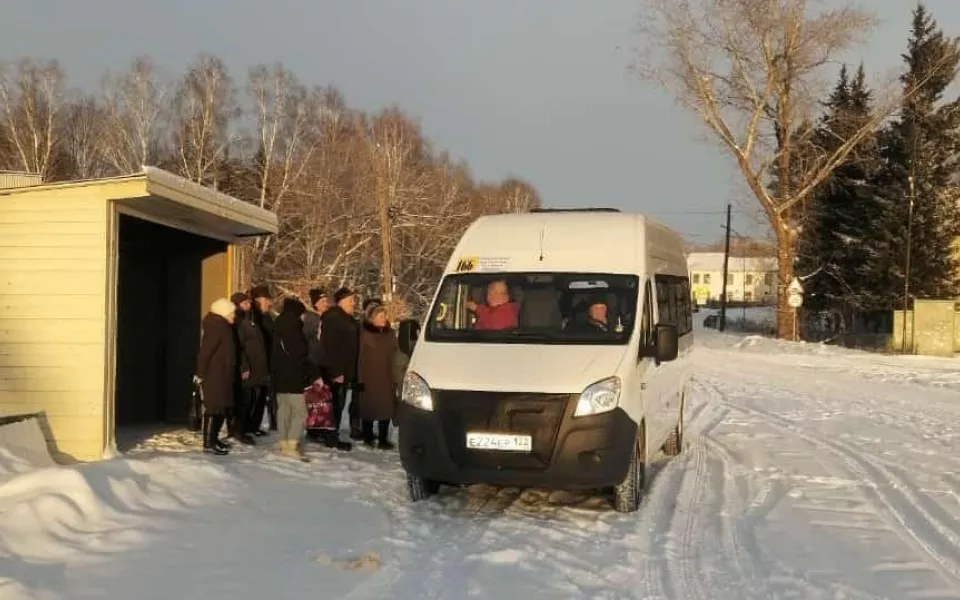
(538,88)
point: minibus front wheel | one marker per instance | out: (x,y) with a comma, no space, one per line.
(628,494)
(419,488)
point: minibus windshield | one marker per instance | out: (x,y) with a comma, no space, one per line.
(535,308)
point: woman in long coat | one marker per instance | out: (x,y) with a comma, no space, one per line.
(376,373)
(217,370)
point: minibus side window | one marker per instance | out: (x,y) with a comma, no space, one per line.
(646,322)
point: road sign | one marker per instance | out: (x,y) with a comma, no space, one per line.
(795,300)
(795,287)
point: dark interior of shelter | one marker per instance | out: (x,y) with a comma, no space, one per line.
(160,304)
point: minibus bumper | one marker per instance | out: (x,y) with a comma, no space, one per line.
(567,452)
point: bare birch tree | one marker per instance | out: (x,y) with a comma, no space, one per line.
(287,117)
(443,208)
(361,200)
(137,106)
(31,100)
(750,70)
(395,148)
(204,107)
(85,123)
(517,196)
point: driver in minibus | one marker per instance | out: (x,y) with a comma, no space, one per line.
(597,315)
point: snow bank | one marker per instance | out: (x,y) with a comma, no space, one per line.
(255,527)
(916,370)
(22,448)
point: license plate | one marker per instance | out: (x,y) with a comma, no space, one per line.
(503,442)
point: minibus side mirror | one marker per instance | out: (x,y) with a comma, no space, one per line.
(408,331)
(667,343)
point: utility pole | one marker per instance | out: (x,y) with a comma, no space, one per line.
(912,182)
(906,274)
(722,324)
(384,168)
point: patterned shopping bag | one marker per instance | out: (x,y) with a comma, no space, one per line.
(319,401)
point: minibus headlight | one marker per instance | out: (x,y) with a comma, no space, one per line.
(416,392)
(602,396)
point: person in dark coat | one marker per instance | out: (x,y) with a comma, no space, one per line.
(262,316)
(254,369)
(240,413)
(339,343)
(217,370)
(292,373)
(320,303)
(377,370)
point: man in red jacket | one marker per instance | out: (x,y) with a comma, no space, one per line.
(499,312)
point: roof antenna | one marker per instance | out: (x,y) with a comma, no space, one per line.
(542,230)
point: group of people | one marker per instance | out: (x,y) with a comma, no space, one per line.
(254,361)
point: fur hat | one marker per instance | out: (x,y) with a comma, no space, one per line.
(371,302)
(223,308)
(372,308)
(342,293)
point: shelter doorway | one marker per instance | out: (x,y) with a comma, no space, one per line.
(166,278)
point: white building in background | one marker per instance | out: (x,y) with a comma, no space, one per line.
(748,279)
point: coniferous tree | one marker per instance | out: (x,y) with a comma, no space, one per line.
(920,151)
(838,245)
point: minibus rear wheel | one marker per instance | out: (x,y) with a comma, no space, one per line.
(419,488)
(674,444)
(628,494)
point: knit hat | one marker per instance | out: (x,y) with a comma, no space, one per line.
(239,297)
(260,291)
(224,308)
(317,294)
(342,293)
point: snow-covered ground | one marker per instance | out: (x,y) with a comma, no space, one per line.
(810,472)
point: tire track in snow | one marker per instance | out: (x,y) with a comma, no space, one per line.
(898,498)
(737,530)
(683,573)
(660,511)
(763,569)
(660,508)
(711,482)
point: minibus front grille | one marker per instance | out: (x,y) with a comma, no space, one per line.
(536,415)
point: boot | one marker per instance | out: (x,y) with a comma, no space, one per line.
(246,439)
(383,436)
(212,443)
(356,429)
(331,439)
(301,453)
(366,434)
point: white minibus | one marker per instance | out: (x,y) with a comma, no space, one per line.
(553,355)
